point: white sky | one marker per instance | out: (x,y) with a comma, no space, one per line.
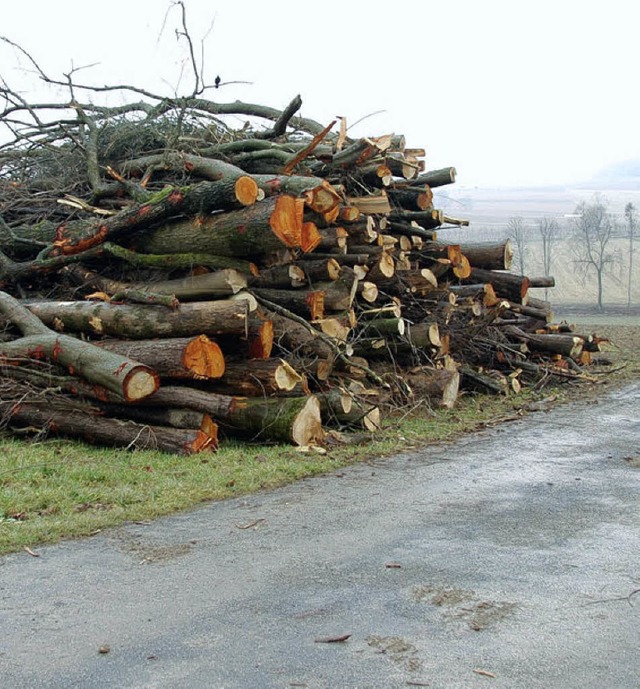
(509,92)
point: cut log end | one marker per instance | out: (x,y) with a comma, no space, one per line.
(140,383)
(307,428)
(286,377)
(246,190)
(204,358)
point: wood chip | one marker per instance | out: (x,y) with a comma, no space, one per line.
(31,552)
(484,673)
(393,565)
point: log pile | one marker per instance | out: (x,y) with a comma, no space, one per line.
(166,279)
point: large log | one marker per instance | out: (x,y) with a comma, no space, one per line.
(309,304)
(174,357)
(128,378)
(221,283)
(300,345)
(261,377)
(223,317)
(436,178)
(509,285)
(92,427)
(255,231)
(173,418)
(438,385)
(567,345)
(214,404)
(489,256)
(76,236)
(294,420)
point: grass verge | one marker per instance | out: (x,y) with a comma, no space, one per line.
(63,489)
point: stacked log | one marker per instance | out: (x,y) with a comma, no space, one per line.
(263,283)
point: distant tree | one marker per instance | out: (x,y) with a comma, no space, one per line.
(548,228)
(630,215)
(594,228)
(517,234)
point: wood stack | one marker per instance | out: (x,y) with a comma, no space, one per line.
(266,283)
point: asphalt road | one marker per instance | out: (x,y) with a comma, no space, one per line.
(509,559)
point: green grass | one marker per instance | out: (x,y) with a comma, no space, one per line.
(63,489)
(60,489)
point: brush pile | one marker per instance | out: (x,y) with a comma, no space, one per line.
(166,277)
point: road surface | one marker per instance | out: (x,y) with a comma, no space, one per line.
(508,559)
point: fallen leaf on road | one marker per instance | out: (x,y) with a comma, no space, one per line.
(331,639)
(31,552)
(393,565)
(104,649)
(250,524)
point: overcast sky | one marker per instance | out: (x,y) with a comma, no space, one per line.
(509,92)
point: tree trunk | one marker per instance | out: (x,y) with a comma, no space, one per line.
(260,377)
(436,178)
(127,378)
(214,404)
(174,357)
(439,385)
(223,317)
(489,256)
(292,420)
(78,236)
(253,232)
(89,425)
(512,287)
(221,283)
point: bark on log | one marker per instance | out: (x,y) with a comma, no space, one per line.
(214,404)
(411,198)
(78,236)
(122,375)
(223,317)
(292,420)
(542,281)
(221,283)
(280,276)
(175,357)
(567,345)
(260,377)
(489,256)
(436,178)
(253,232)
(439,385)
(512,287)
(338,406)
(96,429)
(292,337)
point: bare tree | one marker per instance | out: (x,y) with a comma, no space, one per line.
(630,215)
(594,228)
(548,228)
(517,234)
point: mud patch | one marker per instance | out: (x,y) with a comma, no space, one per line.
(398,650)
(148,553)
(463,605)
